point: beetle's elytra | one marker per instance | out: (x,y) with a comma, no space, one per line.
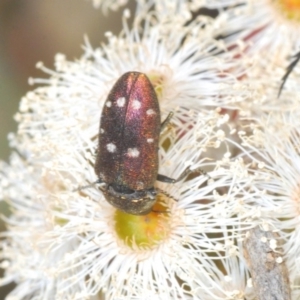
(127,157)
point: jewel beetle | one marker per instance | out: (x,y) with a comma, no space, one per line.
(127,156)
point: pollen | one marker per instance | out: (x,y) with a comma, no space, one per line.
(121,102)
(136,104)
(150,141)
(133,152)
(111,147)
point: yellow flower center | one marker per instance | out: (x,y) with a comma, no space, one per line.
(290,8)
(144,231)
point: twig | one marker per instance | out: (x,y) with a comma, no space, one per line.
(269,273)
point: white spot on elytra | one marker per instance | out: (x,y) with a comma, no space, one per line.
(108,103)
(133,152)
(111,147)
(121,102)
(136,104)
(101,130)
(150,140)
(150,112)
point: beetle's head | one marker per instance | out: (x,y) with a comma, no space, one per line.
(130,201)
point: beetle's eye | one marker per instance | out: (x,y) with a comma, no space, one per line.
(154,192)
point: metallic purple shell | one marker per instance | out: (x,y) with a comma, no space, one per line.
(129,134)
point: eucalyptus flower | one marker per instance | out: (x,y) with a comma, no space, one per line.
(273,151)
(265,103)
(67,243)
(269,26)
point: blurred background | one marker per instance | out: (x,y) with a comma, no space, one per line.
(35,30)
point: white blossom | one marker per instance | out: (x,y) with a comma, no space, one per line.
(270,27)
(274,153)
(63,243)
(109,4)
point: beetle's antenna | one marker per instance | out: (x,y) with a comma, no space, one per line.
(169,196)
(166,194)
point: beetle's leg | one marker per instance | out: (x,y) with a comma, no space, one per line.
(87,186)
(288,71)
(166,121)
(187,171)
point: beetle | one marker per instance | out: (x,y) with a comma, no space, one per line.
(289,70)
(128,142)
